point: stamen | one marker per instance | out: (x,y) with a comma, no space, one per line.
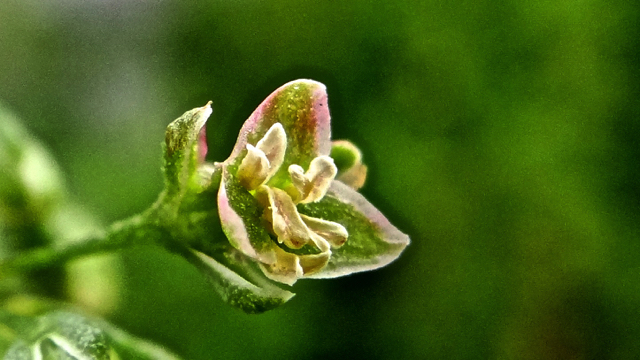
(254,168)
(286,221)
(313,184)
(285,269)
(332,232)
(274,145)
(300,181)
(313,263)
(264,159)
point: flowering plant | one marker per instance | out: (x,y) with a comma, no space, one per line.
(283,206)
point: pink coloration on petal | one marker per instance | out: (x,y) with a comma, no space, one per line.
(301,107)
(349,196)
(202,145)
(232,224)
(397,240)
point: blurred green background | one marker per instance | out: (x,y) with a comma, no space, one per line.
(500,135)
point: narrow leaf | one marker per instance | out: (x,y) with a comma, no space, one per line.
(185,148)
(251,297)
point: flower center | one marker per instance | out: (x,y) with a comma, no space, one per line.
(292,229)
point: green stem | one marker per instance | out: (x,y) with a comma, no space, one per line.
(137,230)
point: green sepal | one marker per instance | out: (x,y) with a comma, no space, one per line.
(239,283)
(373,242)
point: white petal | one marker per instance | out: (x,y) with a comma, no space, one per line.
(254,169)
(312,264)
(321,173)
(286,268)
(285,219)
(333,232)
(300,181)
(274,145)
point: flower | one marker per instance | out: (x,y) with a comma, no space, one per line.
(285,199)
(280,203)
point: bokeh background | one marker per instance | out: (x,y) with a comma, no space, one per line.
(500,135)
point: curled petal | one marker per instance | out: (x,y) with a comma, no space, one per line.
(312,264)
(286,269)
(274,145)
(286,221)
(333,232)
(300,181)
(254,169)
(313,184)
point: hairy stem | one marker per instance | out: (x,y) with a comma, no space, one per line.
(138,230)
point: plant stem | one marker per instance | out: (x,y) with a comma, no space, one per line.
(137,230)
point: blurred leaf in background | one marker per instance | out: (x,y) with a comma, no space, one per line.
(501,136)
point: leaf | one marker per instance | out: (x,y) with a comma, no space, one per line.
(31,184)
(373,241)
(128,346)
(185,148)
(62,334)
(253,294)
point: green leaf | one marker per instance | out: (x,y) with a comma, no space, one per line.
(31,183)
(253,293)
(373,242)
(128,346)
(185,149)
(62,334)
